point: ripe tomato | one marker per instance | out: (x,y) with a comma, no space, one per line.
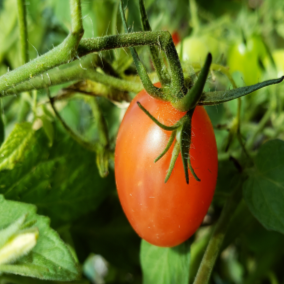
(164,214)
(175,37)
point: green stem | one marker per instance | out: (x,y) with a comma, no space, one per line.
(216,240)
(194,16)
(88,146)
(63,53)
(76,18)
(74,72)
(161,39)
(260,126)
(141,70)
(159,64)
(23,31)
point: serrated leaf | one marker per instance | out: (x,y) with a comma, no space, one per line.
(165,265)
(50,259)
(13,150)
(264,190)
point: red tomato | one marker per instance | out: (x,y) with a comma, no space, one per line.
(175,37)
(164,214)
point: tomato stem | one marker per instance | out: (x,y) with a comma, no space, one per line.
(216,240)
(148,85)
(101,147)
(190,100)
(23,31)
(159,64)
(62,53)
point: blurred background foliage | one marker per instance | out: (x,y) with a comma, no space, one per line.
(61,178)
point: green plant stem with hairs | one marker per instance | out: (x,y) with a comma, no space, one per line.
(63,53)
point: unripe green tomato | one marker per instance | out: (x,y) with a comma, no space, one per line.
(196,48)
(246,58)
(278,57)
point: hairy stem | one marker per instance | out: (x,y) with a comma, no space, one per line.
(75,72)
(63,53)
(161,39)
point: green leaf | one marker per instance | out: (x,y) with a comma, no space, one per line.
(165,265)
(62,180)
(213,98)
(2,130)
(264,190)
(50,259)
(48,128)
(13,150)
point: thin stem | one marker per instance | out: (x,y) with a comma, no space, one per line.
(23,31)
(260,126)
(63,53)
(194,16)
(141,70)
(216,241)
(159,64)
(88,146)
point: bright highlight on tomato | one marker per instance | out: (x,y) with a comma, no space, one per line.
(164,214)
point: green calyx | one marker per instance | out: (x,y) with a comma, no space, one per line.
(191,99)
(181,137)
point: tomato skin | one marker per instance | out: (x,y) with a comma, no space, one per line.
(196,48)
(175,37)
(164,214)
(244,58)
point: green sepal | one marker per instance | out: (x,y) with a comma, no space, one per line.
(141,70)
(169,144)
(191,99)
(213,98)
(185,140)
(165,127)
(175,154)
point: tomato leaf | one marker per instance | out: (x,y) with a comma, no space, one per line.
(212,98)
(264,190)
(51,177)
(50,259)
(13,150)
(165,265)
